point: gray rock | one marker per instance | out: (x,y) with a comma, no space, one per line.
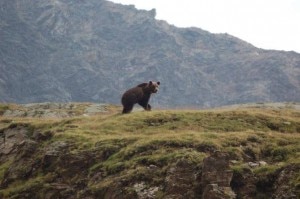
(253,164)
(144,192)
(213,191)
(262,163)
(96,108)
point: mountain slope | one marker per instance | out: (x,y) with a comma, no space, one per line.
(63,50)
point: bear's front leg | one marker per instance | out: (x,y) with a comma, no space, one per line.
(148,107)
(145,105)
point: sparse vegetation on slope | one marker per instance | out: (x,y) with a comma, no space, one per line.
(139,155)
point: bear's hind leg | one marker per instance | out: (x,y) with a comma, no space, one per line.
(148,107)
(127,109)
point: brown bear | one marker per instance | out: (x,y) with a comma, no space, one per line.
(139,94)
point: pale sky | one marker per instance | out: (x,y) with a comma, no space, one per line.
(267,24)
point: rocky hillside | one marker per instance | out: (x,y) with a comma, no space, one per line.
(237,152)
(93,50)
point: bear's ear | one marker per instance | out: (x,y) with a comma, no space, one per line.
(158,83)
(150,83)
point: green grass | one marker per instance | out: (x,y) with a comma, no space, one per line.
(4,167)
(203,130)
(20,187)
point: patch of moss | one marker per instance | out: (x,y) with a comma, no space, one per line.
(267,169)
(4,167)
(21,189)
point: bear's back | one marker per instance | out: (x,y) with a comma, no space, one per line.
(132,95)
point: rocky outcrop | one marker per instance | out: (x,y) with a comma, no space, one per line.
(244,183)
(282,188)
(216,177)
(181,180)
(17,145)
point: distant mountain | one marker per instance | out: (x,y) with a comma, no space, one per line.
(93,50)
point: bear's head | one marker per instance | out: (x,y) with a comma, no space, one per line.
(153,86)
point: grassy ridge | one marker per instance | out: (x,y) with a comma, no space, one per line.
(128,144)
(201,130)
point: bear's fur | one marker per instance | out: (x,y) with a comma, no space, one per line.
(139,94)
